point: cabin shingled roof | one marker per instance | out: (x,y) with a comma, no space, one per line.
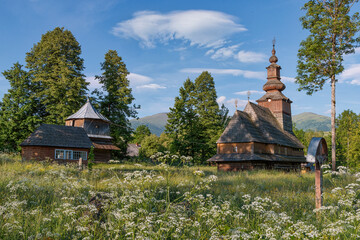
(257,124)
(58,136)
(89,112)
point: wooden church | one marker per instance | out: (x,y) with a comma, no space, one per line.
(261,136)
(84,129)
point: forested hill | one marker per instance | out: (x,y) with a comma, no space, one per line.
(312,121)
(156,123)
(305,121)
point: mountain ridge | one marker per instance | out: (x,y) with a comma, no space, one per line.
(305,121)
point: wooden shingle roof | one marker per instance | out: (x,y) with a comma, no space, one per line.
(88,112)
(257,124)
(58,136)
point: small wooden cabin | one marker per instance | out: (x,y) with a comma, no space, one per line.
(261,136)
(97,128)
(82,130)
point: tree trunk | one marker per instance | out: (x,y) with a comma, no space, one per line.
(333,132)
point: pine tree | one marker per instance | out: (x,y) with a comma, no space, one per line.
(18,117)
(332,35)
(56,69)
(210,116)
(115,98)
(183,123)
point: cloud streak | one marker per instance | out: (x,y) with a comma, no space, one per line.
(244,93)
(234,72)
(232,52)
(351,75)
(152,86)
(198,27)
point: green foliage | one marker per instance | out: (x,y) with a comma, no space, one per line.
(55,67)
(114,98)
(210,117)
(183,123)
(140,133)
(306,136)
(18,109)
(91,158)
(150,145)
(196,122)
(332,34)
(347,150)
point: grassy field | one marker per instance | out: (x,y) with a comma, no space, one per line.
(132,201)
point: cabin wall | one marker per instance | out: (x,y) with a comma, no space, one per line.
(247,165)
(235,147)
(102,155)
(41,153)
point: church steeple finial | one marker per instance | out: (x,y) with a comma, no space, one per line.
(273,58)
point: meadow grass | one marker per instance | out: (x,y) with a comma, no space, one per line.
(135,201)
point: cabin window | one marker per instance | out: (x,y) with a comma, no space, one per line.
(69,154)
(235,149)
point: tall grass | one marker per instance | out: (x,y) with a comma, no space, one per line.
(132,201)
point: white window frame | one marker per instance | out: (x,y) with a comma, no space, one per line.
(71,154)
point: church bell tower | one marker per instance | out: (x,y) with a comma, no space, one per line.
(274,99)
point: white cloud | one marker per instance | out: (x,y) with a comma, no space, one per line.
(93,82)
(244,93)
(355,82)
(357,50)
(220,100)
(138,79)
(351,75)
(234,72)
(232,52)
(153,86)
(250,57)
(223,53)
(198,27)
(288,79)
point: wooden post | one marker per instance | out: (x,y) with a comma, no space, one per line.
(317,153)
(318,185)
(80,164)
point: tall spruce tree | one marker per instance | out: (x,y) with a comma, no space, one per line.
(115,98)
(56,69)
(332,34)
(18,109)
(183,123)
(210,116)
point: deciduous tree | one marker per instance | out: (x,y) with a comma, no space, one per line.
(347,124)
(333,31)
(140,133)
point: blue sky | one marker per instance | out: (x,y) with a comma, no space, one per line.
(165,42)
